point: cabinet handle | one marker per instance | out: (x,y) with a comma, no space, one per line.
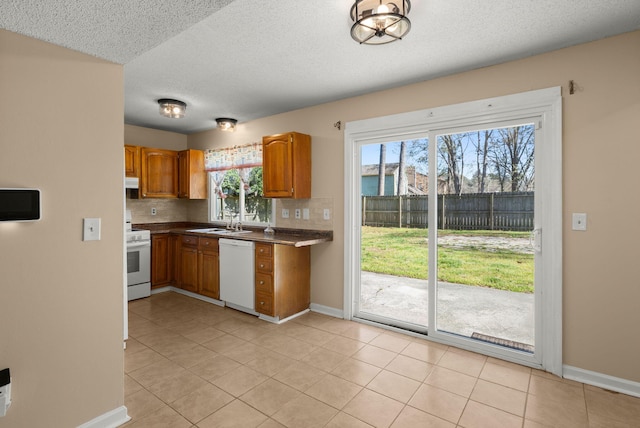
(261,265)
(262,250)
(262,303)
(261,282)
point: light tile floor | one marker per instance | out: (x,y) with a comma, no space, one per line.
(192,364)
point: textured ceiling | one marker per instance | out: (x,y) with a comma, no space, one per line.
(248,59)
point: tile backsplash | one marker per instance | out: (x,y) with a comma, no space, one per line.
(167,210)
(177,210)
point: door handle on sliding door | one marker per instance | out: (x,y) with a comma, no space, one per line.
(535,239)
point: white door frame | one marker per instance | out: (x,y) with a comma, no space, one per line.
(545,104)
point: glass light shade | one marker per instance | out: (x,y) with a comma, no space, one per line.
(377,23)
(226,124)
(172,108)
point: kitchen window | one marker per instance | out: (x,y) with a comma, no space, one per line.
(235,186)
(236,195)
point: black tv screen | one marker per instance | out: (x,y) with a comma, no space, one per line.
(19,204)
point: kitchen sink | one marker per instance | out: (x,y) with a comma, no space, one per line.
(217,231)
(230,232)
(207,230)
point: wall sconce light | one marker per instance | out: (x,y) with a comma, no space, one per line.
(172,108)
(376,23)
(226,124)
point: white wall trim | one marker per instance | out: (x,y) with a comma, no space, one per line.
(111,419)
(601,380)
(326,310)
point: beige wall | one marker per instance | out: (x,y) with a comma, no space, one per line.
(61,299)
(155,138)
(601,149)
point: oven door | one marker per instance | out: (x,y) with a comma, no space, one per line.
(138,263)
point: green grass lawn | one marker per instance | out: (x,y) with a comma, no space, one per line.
(404,252)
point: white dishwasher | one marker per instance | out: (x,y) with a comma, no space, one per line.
(237,286)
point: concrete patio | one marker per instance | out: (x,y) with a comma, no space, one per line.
(462,309)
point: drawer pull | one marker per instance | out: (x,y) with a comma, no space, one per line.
(261,282)
(262,303)
(262,265)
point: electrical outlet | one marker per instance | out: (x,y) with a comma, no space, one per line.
(305,213)
(285,213)
(326,214)
(298,213)
(154,211)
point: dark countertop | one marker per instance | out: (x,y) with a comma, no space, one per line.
(294,237)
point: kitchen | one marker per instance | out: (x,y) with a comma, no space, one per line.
(214,261)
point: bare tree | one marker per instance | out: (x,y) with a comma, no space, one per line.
(482,155)
(382,169)
(512,157)
(451,153)
(402,177)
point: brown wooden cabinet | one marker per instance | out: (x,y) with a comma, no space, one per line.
(283,279)
(286,161)
(159,173)
(160,262)
(188,264)
(192,181)
(132,161)
(208,268)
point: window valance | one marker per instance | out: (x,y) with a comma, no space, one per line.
(238,157)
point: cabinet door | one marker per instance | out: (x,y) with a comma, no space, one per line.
(173,258)
(159,178)
(132,161)
(286,160)
(277,174)
(192,183)
(160,273)
(189,268)
(210,275)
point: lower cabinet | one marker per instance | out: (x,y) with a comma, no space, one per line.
(188,264)
(198,266)
(160,261)
(283,279)
(282,272)
(209,268)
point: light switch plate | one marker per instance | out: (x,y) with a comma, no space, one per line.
(91,229)
(326,214)
(305,213)
(285,213)
(579,221)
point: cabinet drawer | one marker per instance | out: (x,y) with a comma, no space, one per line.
(264,303)
(189,240)
(209,244)
(264,265)
(264,250)
(264,283)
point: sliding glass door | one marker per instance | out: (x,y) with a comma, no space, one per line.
(445,219)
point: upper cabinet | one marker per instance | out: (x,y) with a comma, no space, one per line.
(132,161)
(159,173)
(286,162)
(192,183)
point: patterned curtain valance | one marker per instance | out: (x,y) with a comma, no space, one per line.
(247,156)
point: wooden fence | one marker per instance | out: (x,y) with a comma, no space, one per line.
(473,211)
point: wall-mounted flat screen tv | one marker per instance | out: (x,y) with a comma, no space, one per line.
(19,204)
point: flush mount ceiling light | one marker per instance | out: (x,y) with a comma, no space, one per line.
(226,124)
(377,23)
(172,108)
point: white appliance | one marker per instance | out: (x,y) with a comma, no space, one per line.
(237,274)
(138,261)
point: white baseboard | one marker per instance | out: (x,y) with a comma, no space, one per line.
(600,380)
(112,419)
(326,310)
